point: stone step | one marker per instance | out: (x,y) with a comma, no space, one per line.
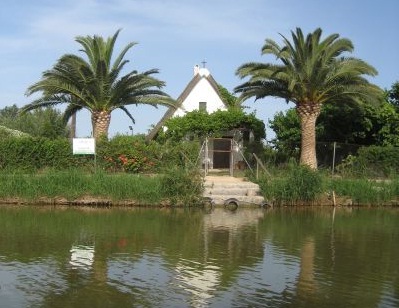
(221,189)
(232,191)
(232,186)
(242,200)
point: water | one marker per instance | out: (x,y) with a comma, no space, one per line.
(304,257)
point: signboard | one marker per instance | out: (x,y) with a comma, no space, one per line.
(84,146)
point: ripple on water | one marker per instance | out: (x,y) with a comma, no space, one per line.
(26,284)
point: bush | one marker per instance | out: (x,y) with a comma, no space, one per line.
(300,185)
(182,186)
(373,161)
(130,154)
(34,153)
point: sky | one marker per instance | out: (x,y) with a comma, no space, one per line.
(175,35)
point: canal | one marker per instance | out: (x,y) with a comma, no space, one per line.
(282,257)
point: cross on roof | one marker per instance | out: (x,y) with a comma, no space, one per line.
(203,63)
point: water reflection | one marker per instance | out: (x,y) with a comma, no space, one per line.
(82,256)
(232,220)
(198,280)
(180,258)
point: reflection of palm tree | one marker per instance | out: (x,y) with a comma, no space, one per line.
(306,285)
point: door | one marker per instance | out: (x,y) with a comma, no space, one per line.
(221,153)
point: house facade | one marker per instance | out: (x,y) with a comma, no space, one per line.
(202,93)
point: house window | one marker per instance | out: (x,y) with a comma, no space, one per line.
(202,106)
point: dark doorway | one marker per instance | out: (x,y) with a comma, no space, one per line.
(221,153)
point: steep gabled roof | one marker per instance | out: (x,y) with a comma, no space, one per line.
(170,112)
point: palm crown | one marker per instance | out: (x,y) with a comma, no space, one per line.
(95,84)
(312,71)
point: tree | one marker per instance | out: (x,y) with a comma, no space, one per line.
(313,71)
(288,135)
(95,84)
(393,95)
(44,122)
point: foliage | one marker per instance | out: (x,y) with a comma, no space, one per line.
(300,185)
(127,154)
(355,124)
(386,129)
(122,153)
(364,191)
(35,153)
(73,184)
(182,186)
(6,132)
(231,101)
(286,126)
(200,124)
(312,72)
(95,83)
(44,122)
(393,95)
(373,161)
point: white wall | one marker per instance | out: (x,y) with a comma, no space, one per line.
(202,92)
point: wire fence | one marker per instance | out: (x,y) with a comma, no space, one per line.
(337,156)
(331,154)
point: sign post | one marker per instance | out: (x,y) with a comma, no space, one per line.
(85,146)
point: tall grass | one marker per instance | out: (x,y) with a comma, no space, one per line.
(366,191)
(73,184)
(298,185)
(182,185)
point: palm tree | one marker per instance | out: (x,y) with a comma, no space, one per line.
(312,72)
(94,84)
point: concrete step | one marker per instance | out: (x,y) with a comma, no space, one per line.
(232,191)
(242,200)
(243,185)
(220,189)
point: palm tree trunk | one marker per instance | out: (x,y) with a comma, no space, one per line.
(72,133)
(308,113)
(100,121)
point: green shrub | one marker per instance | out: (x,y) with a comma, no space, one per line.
(372,161)
(127,154)
(182,186)
(130,154)
(300,185)
(33,153)
(365,191)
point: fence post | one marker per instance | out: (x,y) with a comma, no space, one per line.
(333,162)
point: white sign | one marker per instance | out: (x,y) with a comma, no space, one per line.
(84,146)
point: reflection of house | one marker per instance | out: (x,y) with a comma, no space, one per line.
(82,256)
(224,220)
(201,281)
(202,93)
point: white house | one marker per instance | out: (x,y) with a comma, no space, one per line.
(202,93)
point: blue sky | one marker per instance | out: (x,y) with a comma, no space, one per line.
(174,35)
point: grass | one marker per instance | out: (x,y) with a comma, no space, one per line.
(301,186)
(74,184)
(366,191)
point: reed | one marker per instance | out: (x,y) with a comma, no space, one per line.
(366,191)
(297,185)
(73,184)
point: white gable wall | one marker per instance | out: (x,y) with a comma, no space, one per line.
(202,92)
